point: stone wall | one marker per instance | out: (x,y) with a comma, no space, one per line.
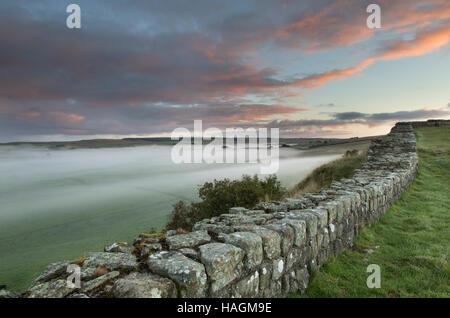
(266,252)
(428,123)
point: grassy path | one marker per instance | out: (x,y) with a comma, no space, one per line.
(411,243)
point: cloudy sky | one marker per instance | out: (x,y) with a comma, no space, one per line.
(143,68)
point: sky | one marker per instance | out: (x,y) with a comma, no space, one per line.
(143,68)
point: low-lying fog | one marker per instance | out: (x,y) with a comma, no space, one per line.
(61,204)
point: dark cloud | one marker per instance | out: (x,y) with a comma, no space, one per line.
(350,115)
(145,67)
(394,116)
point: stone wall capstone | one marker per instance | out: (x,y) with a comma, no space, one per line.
(265,252)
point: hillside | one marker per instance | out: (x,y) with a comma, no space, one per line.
(411,242)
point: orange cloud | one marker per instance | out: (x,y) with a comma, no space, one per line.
(343,22)
(66,119)
(425,42)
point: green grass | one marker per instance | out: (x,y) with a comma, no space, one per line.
(413,237)
(322,176)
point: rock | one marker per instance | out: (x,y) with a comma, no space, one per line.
(147,249)
(221,262)
(265,274)
(190,252)
(286,234)
(299,227)
(52,289)
(147,238)
(302,276)
(52,271)
(8,294)
(322,215)
(294,257)
(119,247)
(191,239)
(121,262)
(368,251)
(251,243)
(247,287)
(237,210)
(332,211)
(99,281)
(310,219)
(278,268)
(144,285)
(271,241)
(171,232)
(188,274)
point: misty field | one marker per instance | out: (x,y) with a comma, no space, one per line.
(63,204)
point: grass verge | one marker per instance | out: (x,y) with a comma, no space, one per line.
(322,176)
(410,243)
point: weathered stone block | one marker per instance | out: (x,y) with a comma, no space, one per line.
(286,234)
(322,215)
(54,270)
(302,276)
(53,289)
(278,267)
(119,247)
(299,227)
(121,262)
(332,231)
(99,281)
(188,274)
(190,239)
(310,219)
(251,244)
(247,287)
(294,257)
(221,262)
(144,285)
(271,241)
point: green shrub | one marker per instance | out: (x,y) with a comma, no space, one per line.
(219,196)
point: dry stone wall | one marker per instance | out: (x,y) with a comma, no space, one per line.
(265,252)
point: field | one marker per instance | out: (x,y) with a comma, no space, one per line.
(411,242)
